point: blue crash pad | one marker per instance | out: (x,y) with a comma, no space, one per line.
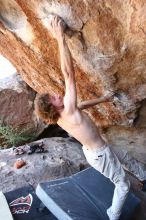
(83,196)
(25,205)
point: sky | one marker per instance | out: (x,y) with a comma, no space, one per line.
(6,68)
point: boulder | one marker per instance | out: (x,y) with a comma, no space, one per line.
(132,139)
(64,157)
(107,41)
(17,118)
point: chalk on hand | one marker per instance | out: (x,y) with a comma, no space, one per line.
(48,20)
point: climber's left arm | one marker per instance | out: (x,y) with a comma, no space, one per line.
(93,102)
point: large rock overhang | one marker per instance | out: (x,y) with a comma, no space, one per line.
(107,41)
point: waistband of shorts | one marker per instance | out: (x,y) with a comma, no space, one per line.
(98,149)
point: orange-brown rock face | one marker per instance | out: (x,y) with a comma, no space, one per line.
(107,40)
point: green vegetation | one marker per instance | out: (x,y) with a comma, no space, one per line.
(12,137)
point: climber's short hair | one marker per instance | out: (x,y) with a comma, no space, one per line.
(45,110)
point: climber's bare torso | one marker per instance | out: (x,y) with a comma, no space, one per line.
(80,126)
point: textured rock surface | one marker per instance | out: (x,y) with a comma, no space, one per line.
(107,41)
(17,108)
(133,139)
(63,158)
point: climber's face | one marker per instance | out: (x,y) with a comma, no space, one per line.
(56,100)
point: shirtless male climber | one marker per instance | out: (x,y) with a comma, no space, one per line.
(64,111)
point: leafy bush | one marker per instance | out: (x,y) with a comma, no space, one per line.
(12,137)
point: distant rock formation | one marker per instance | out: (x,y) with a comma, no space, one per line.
(17,110)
